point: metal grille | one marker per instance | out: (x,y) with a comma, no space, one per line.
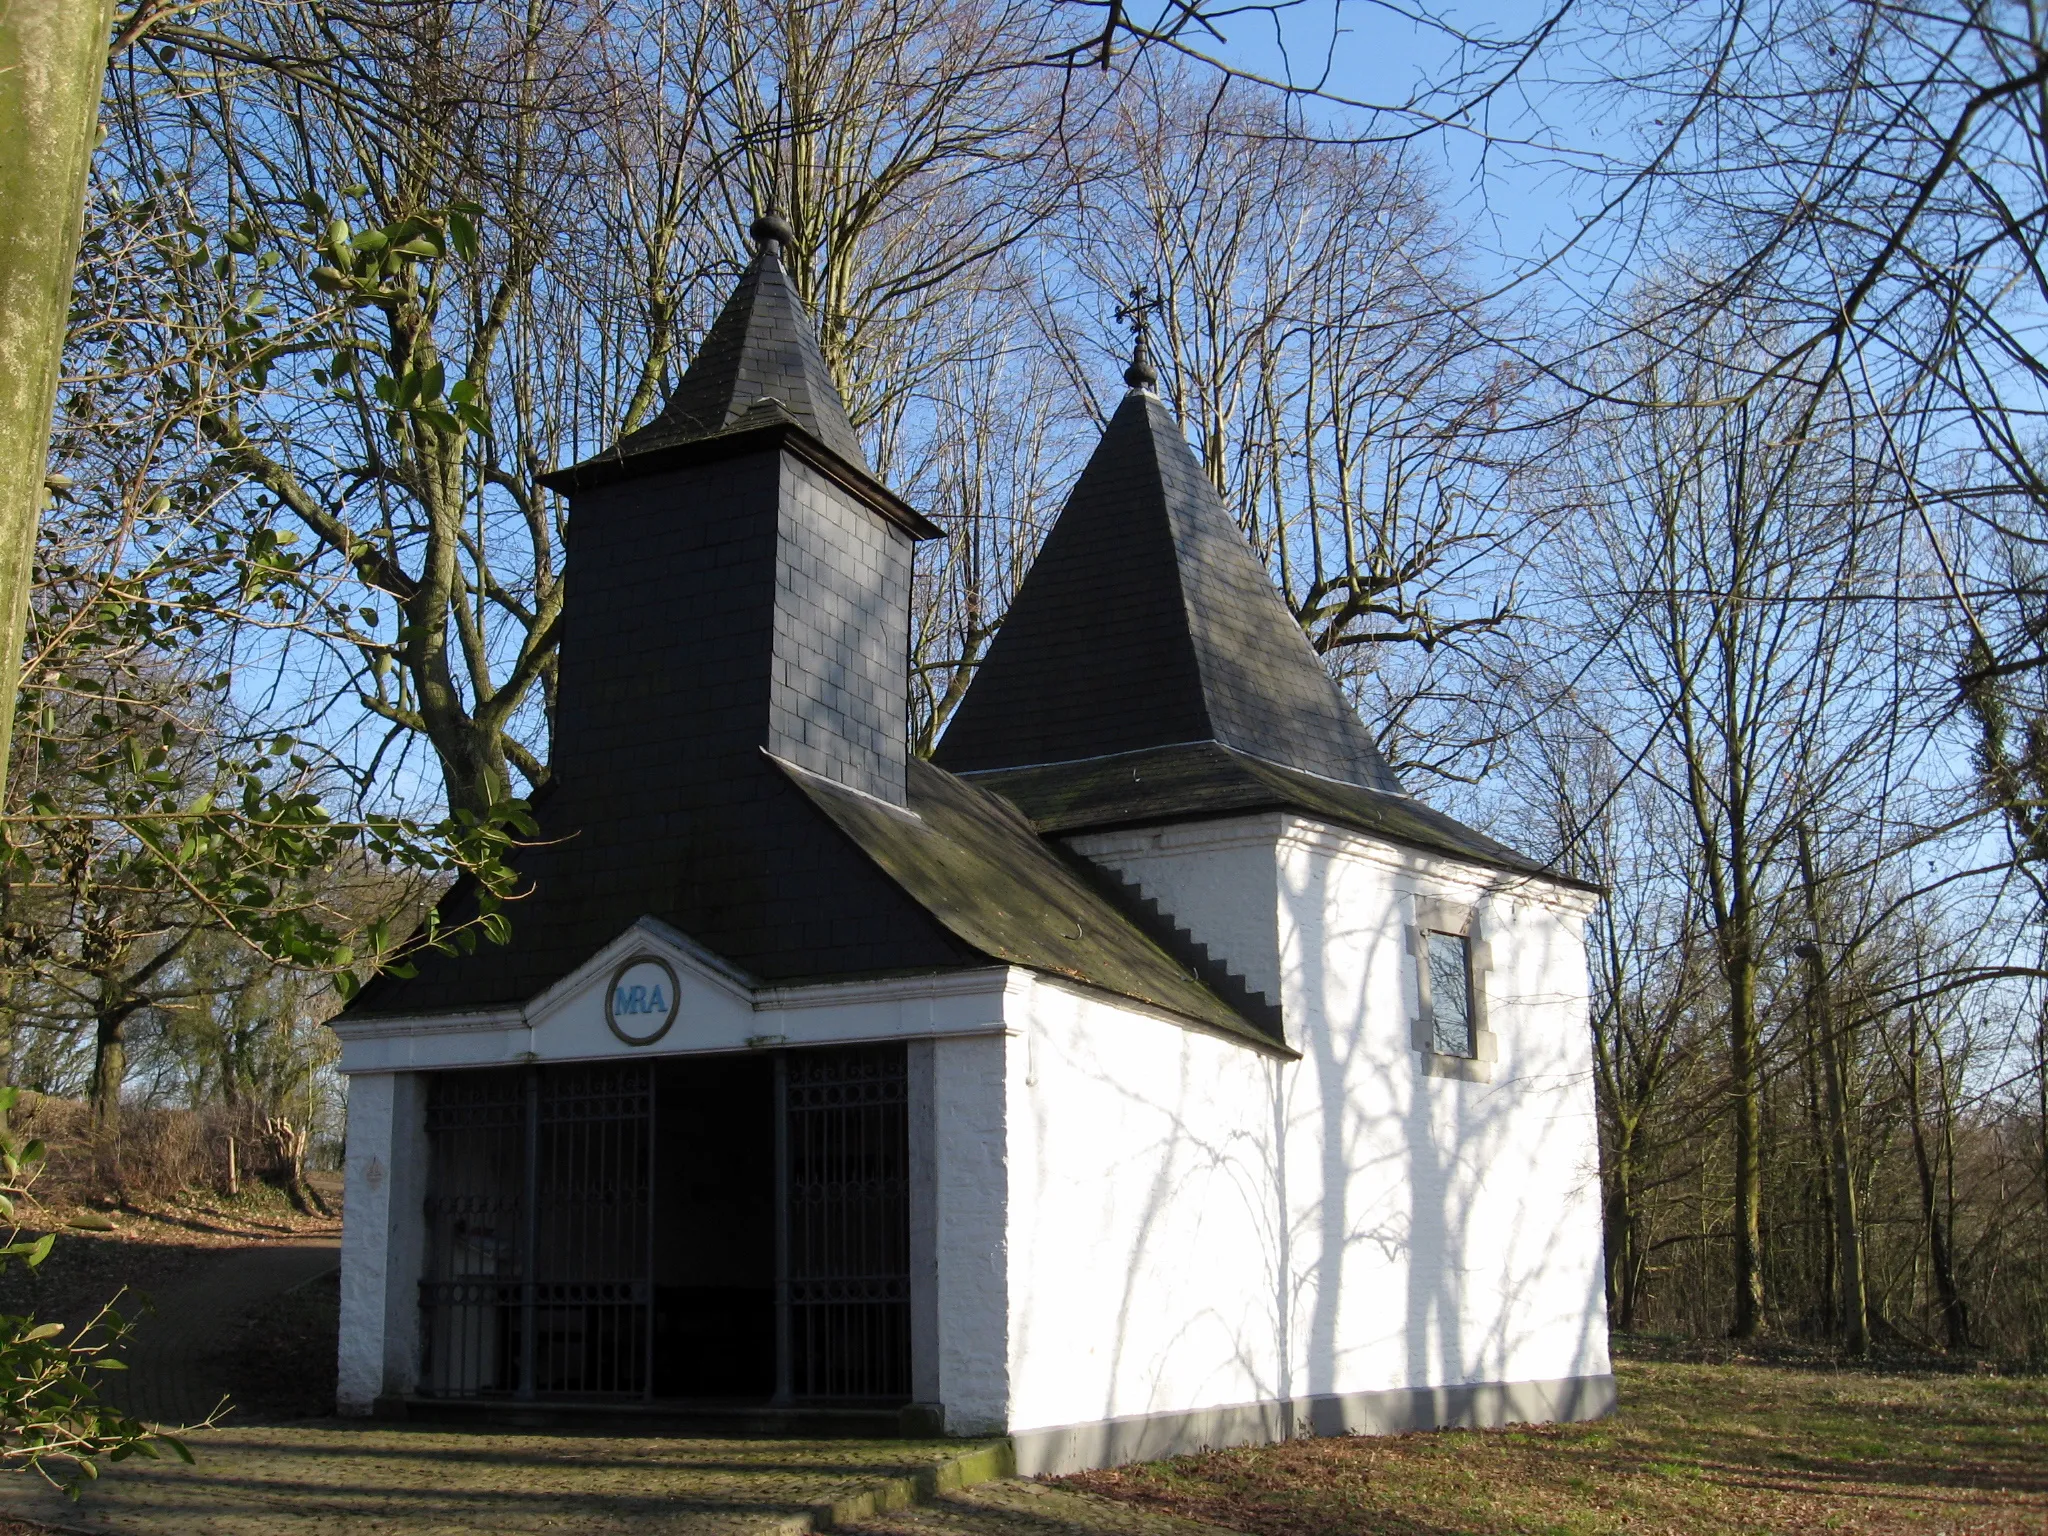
(542,1206)
(476,1224)
(591,1225)
(552,1164)
(846,1153)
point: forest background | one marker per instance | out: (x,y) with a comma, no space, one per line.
(1637,403)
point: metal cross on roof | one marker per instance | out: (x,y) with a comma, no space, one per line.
(1137,314)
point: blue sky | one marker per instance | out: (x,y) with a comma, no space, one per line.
(1518,201)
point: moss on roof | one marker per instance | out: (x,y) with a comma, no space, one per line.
(975,863)
(1202,779)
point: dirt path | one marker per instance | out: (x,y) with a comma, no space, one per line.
(331,1477)
(178,1359)
(349,1478)
(1014,1507)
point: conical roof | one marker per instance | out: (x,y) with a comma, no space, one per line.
(1146,621)
(762,346)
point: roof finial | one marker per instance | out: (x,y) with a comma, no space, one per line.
(771,226)
(1140,375)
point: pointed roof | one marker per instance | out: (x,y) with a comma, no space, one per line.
(762,347)
(1146,621)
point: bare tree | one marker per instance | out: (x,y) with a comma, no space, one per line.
(1325,350)
(1732,556)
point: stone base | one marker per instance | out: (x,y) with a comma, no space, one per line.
(1148,1437)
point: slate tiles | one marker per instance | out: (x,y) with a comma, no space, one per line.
(762,345)
(1147,621)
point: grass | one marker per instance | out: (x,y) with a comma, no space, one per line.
(1738,1446)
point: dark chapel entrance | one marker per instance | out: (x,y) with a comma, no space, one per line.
(713,1228)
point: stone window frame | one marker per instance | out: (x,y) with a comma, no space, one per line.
(1433,915)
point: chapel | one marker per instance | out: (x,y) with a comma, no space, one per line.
(1146,1071)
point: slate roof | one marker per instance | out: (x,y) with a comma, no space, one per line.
(762,346)
(1146,621)
(666,801)
(1202,780)
(960,859)
(977,865)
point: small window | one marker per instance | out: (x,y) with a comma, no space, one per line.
(1450,994)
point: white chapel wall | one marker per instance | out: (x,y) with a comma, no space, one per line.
(973,1160)
(382,1241)
(1217,878)
(1194,1225)
(1457,1238)
(1146,1251)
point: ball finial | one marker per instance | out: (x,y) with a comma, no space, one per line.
(771,225)
(1141,374)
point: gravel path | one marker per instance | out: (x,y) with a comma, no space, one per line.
(176,1357)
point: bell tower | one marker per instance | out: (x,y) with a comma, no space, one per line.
(738,592)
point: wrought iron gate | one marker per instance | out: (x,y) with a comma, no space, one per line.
(542,1204)
(846,1177)
(538,1222)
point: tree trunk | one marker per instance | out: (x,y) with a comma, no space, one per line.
(1852,1297)
(1823,1186)
(1955,1317)
(1624,1259)
(2041,1148)
(109,1070)
(52,56)
(290,1142)
(1745,1090)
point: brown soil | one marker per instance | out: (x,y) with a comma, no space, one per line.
(282,1365)
(154,1245)
(1695,1448)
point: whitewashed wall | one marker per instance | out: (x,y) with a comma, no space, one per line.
(1148,1254)
(1130,1220)
(1195,1226)
(382,1239)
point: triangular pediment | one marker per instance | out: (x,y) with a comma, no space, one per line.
(596,1011)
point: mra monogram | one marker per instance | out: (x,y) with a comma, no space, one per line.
(631,1000)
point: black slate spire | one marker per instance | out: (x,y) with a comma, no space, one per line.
(1146,621)
(762,348)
